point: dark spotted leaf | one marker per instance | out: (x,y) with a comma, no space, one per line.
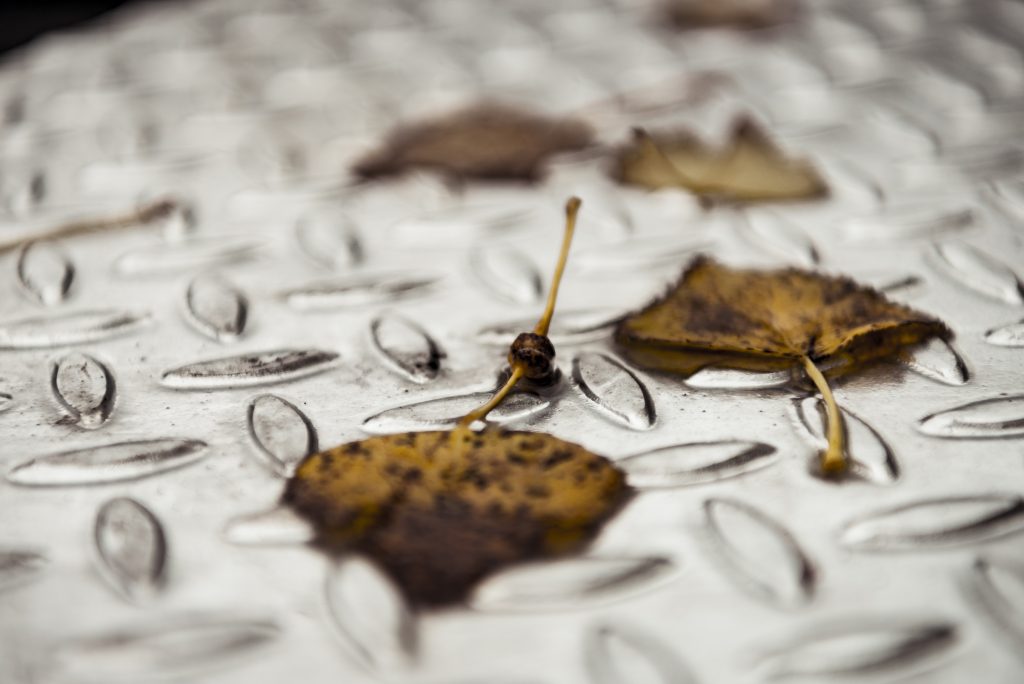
(773,320)
(439,511)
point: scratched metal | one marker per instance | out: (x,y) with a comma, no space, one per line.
(281,310)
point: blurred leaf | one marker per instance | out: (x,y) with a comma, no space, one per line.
(487,142)
(746,14)
(748,168)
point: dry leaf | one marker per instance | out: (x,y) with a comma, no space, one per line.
(750,14)
(439,511)
(488,142)
(748,168)
(770,320)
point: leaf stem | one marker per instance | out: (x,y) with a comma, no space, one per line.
(141,216)
(572,208)
(833,460)
(481,412)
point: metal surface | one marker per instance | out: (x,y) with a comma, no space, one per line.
(735,564)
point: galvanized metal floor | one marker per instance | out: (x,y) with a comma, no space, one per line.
(735,564)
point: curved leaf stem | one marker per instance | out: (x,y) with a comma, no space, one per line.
(833,460)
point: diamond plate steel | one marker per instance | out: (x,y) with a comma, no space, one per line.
(157,384)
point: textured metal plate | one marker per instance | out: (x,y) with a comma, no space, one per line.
(129,551)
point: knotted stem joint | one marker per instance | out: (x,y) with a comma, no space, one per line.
(532,355)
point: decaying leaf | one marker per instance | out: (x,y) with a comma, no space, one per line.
(440,510)
(750,14)
(487,142)
(756,319)
(748,168)
(770,320)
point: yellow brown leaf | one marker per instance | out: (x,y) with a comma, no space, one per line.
(772,320)
(438,511)
(747,168)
